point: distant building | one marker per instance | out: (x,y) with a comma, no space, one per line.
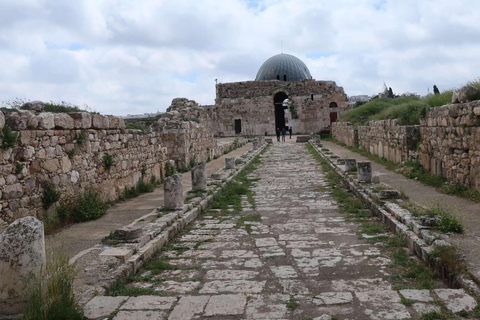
(283,94)
(361,98)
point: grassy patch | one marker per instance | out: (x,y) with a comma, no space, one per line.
(50,296)
(139,188)
(123,289)
(292,304)
(449,257)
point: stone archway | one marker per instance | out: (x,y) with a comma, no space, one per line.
(278,99)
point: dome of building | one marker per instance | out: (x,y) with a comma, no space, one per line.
(283,67)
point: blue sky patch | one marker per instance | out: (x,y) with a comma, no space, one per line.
(190,77)
(316,55)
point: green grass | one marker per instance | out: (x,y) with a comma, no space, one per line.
(292,304)
(139,188)
(123,289)
(407,109)
(50,295)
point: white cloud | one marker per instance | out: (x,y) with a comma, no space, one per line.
(136,56)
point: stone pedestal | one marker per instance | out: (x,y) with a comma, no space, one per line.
(173,192)
(199,177)
(350,164)
(255,144)
(230,163)
(22,255)
(364,171)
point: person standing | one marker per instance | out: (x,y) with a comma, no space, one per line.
(290,130)
(278,134)
(284,133)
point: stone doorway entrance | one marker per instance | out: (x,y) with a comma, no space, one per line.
(278,100)
(238,126)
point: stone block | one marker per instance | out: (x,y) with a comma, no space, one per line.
(173,192)
(119,253)
(364,169)
(22,246)
(350,164)
(230,163)
(199,177)
(100,307)
(63,121)
(82,120)
(303,138)
(388,194)
(100,122)
(128,233)
(46,120)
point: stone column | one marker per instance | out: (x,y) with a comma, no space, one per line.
(364,171)
(230,163)
(173,192)
(22,255)
(199,177)
(255,144)
(350,164)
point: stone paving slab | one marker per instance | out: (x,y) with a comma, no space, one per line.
(303,260)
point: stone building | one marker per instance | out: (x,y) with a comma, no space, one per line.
(283,94)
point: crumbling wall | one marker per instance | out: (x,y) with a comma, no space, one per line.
(345,132)
(450,144)
(185,131)
(387,139)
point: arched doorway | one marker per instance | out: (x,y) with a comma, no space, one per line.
(279,109)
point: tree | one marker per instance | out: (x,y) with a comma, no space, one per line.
(435,89)
(390,93)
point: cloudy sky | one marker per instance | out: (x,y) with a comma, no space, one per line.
(134,56)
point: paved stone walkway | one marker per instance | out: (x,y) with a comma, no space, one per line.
(467,211)
(303,260)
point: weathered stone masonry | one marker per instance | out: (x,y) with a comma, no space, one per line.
(451,142)
(252,102)
(446,143)
(67,150)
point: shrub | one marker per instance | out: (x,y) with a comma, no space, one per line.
(108,162)
(448,223)
(71,154)
(19,167)
(50,295)
(81,138)
(169,169)
(9,138)
(50,196)
(89,206)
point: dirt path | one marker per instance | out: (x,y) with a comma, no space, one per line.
(82,236)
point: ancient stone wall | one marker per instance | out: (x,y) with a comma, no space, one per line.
(451,142)
(67,150)
(186,133)
(345,132)
(310,106)
(386,139)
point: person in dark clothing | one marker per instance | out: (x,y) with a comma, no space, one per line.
(290,130)
(284,132)
(278,134)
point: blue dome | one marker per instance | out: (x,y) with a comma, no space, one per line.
(283,67)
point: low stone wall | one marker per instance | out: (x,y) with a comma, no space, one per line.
(345,132)
(386,139)
(450,143)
